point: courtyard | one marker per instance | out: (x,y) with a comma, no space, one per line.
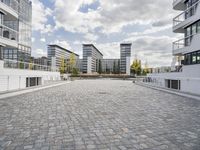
(99,114)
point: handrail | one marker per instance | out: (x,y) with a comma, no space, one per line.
(15,64)
(8,33)
(12,4)
(182,42)
(182,16)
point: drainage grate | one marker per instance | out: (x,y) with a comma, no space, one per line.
(103,93)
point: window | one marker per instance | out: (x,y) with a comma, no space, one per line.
(194,58)
(198,27)
(1,18)
(198,57)
(194,29)
(187,59)
(188,31)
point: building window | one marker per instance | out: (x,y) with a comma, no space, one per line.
(198,27)
(194,58)
(198,57)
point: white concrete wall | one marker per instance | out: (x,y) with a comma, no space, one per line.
(13,79)
(190,78)
(128,67)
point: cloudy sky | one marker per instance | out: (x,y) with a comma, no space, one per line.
(106,23)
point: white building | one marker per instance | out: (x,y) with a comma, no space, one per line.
(186,51)
(91,59)
(16,71)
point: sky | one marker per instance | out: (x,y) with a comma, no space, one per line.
(147,24)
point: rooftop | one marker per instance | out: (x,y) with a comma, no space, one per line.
(55,45)
(94,47)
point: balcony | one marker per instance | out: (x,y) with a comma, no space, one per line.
(8,36)
(186,18)
(186,45)
(10,7)
(179,5)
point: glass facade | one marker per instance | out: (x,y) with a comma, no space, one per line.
(189,4)
(190,31)
(192,58)
(23,29)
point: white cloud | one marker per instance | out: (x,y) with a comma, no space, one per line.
(43,40)
(63,44)
(40,53)
(111,15)
(90,37)
(40,15)
(32,39)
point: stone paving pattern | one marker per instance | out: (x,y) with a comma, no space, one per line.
(99,114)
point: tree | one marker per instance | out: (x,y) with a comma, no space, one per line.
(62,66)
(145,71)
(21,64)
(136,67)
(72,62)
(30,65)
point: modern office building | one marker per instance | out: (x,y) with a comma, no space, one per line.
(186,51)
(15,29)
(43,61)
(125,58)
(111,66)
(92,58)
(56,53)
(79,64)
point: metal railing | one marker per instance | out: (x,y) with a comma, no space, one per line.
(11,3)
(184,42)
(189,12)
(14,64)
(8,33)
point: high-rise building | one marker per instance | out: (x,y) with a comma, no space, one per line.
(15,29)
(56,53)
(125,58)
(91,58)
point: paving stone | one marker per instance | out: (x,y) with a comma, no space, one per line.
(99,114)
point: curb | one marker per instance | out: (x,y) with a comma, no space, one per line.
(187,95)
(12,94)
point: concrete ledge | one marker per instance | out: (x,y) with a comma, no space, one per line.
(171,91)
(29,90)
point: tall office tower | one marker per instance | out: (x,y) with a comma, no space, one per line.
(15,29)
(125,58)
(92,58)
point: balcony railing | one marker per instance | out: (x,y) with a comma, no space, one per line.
(14,64)
(8,33)
(11,3)
(186,14)
(184,42)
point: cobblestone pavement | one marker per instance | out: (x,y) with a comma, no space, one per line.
(99,114)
